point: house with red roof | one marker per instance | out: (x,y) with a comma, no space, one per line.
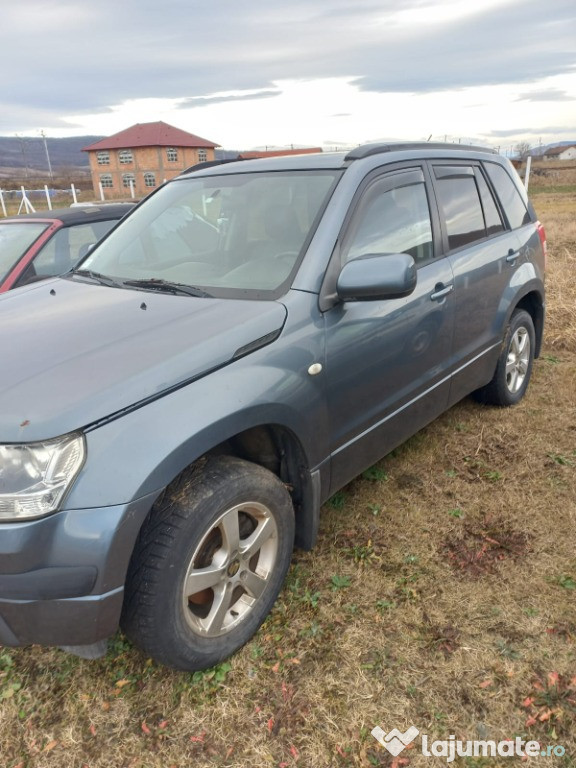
(142,157)
(563,152)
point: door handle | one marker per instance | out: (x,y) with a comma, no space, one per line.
(440,291)
(512,256)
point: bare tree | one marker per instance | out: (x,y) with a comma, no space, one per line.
(522,150)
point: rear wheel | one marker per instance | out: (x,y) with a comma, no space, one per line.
(209,563)
(514,366)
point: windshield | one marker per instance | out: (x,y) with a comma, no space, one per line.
(237,235)
(15,239)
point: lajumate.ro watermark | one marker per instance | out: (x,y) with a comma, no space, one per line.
(395,742)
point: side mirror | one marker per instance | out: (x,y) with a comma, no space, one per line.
(377,276)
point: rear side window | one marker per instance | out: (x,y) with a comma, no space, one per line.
(460,204)
(514,207)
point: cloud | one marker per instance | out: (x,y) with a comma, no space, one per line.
(203,101)
(551,94)
(67,56)
(549,130)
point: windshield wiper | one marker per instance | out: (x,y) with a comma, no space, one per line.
(97,276)
(165,286)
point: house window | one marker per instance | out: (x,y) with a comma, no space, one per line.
(128,179)
(125,156)
(106,180)
(149,180)
(172,154)
(103,158)
(202,156)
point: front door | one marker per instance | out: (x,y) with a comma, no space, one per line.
(387,361)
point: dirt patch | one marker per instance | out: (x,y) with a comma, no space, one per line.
(478,551)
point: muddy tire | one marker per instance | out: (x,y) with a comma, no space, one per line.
(209,563)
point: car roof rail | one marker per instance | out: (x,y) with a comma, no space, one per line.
(210,164)
(367,150)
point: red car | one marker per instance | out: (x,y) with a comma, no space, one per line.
(35,246)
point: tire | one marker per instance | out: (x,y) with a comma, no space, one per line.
(514,366)
(209,563)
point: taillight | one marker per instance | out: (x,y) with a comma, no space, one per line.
(542,236)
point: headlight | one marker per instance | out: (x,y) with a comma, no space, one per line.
(35,476)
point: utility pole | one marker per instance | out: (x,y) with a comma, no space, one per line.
(47,154)
(23,150)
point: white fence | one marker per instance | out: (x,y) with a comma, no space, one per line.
(25,198)
(43,198)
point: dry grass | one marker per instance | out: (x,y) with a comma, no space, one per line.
(440,595)
(558,212)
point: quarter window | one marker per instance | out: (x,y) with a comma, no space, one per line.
(514,207)
(491,214)
(125,156)
(172,154)
(103,158)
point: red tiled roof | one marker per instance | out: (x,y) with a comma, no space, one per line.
(279,153)
(150,135)
(558,150)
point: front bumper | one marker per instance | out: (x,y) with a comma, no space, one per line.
(62,577)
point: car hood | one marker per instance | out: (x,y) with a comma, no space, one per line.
(74,353)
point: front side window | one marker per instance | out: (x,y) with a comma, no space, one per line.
(514,207)
(125,156)
(235,235)
(103,158)
(172,154)
(393,217)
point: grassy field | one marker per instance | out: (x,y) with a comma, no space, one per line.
(441,594)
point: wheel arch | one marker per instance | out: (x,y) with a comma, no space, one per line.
(533,303)
(273,446)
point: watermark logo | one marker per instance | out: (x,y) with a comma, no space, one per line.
(395,741)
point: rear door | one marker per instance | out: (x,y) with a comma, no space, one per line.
(484,253)
(387,360)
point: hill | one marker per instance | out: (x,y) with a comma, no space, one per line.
(21,154)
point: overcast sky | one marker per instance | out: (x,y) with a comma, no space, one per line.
(332,73)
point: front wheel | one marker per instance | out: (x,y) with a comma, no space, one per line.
(209,563)
(514,366)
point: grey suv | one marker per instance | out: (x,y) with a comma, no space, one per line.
(174,412)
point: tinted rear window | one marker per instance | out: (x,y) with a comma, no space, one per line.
(460,203)
(514,207)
